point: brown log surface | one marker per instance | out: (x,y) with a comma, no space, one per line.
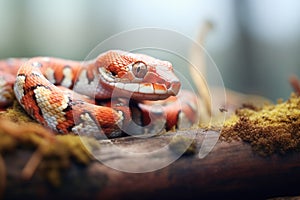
(231,170)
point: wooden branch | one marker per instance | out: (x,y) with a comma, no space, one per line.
(231,170)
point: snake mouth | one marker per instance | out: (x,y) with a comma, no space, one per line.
(138,89)
(146,91)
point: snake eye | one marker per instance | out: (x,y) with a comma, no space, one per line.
(139,69)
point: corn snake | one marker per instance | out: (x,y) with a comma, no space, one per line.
(40,86)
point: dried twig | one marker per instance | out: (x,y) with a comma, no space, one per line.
(295,83)
(197,59)
(32,165)
(17,131)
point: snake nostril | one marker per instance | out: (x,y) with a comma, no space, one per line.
(174,88)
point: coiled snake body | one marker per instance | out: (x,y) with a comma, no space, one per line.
(40,86)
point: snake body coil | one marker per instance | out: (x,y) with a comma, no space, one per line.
(92,97)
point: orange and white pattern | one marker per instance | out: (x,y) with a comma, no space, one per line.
(69,96)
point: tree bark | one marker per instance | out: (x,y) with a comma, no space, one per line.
(230,170)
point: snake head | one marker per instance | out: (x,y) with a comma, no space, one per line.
(137,75)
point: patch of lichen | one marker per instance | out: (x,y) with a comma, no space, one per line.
(52,152)
(270,129)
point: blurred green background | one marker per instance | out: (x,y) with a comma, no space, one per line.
(255,43)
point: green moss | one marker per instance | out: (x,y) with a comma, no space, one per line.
(270,129)
(16,114)
(56,152)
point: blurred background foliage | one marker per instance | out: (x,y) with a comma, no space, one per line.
(255,43)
